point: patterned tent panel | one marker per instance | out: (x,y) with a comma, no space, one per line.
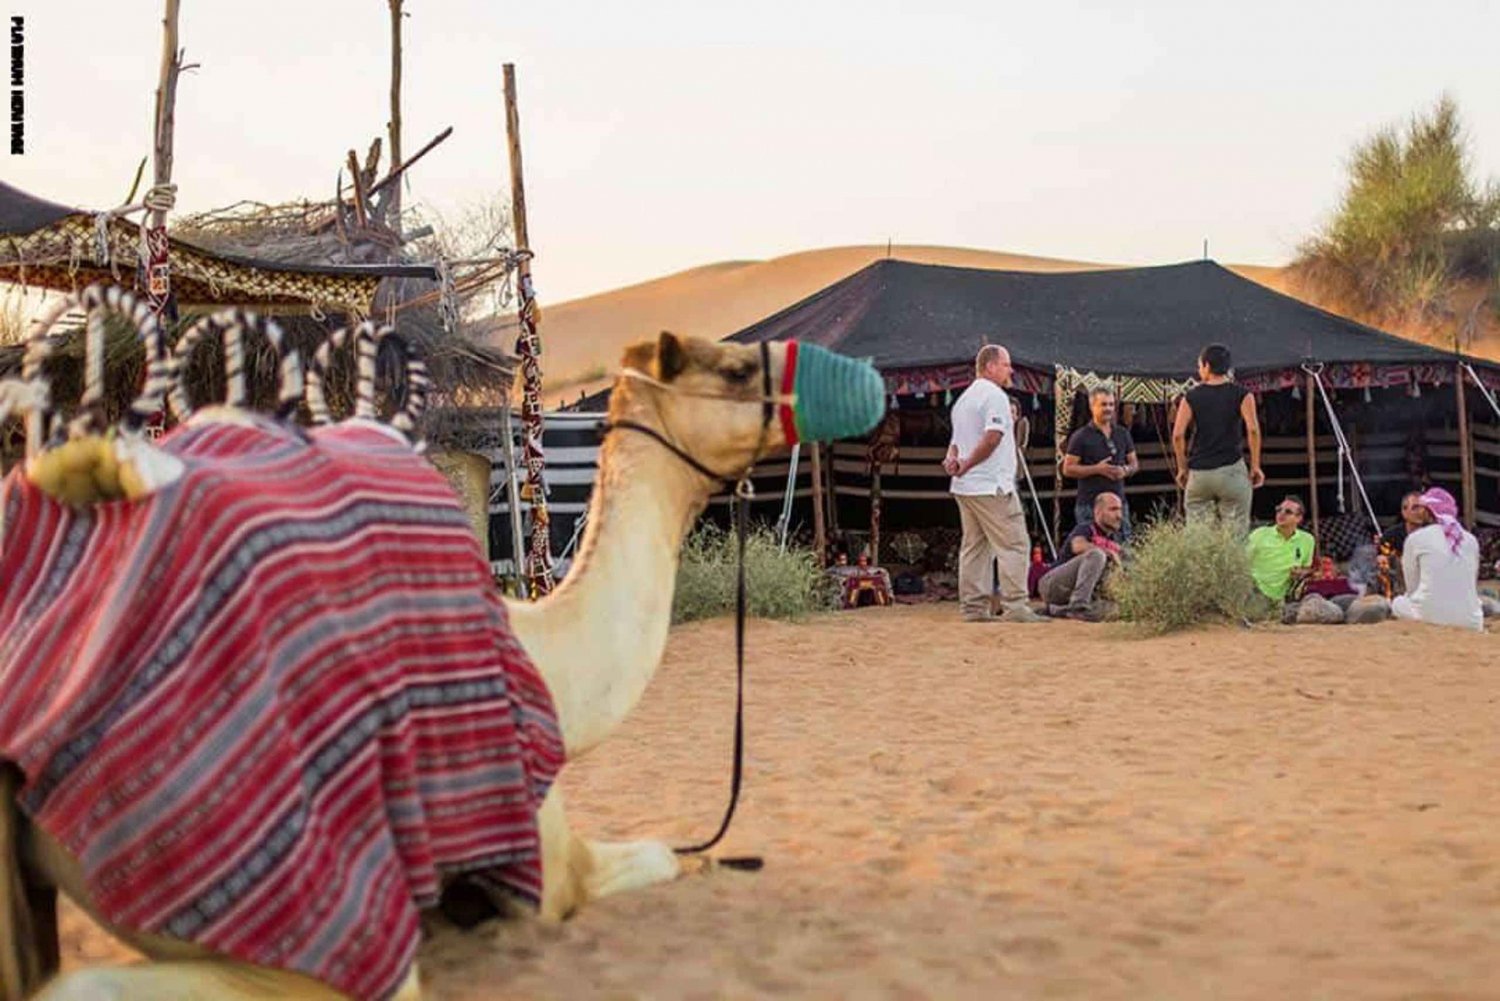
(1129,389)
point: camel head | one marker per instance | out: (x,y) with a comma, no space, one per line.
(717,402)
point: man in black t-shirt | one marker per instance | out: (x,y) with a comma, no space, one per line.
(1215,479)
(1100,456)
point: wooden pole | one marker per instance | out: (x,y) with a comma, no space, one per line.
(539,556)
(513,502)
(158,276)
(393,201)
(833,494)
(1312,454)
(875,514)
(1465,445)
(820,535)
(361,210)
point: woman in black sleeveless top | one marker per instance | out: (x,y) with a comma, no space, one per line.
(1216,480)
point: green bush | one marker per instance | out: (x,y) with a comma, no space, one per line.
(1414,219)
(1180,576)
(778,585)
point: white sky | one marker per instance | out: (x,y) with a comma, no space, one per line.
(664,134)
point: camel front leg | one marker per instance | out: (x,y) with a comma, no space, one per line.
(576,870)
(199,980)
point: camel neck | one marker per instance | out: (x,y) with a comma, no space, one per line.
(598,639)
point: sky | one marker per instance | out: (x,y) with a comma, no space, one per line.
(661,135)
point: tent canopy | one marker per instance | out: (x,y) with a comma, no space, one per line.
(47,245)
(1132,321)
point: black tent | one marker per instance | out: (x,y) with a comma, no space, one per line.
(1139,330)
(1131,321)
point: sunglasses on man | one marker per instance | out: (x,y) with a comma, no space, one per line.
(1288,509)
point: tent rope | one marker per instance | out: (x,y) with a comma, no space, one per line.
(1346,454)
(1037,503)
(784,523)
(1488,396)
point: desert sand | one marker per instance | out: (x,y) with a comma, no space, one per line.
(1060,810)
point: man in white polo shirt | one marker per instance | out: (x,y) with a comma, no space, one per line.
(982,461)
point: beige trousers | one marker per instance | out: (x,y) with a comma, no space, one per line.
(1222,493)
(994,527)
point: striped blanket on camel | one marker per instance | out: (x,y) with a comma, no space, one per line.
(274,707)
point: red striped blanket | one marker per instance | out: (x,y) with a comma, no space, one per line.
(274,706)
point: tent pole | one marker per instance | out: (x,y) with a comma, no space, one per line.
(875,514)
(513,502)
(159,199)
(1312,454)
(833,496)
(539,556)
(820,535)
(1465,445)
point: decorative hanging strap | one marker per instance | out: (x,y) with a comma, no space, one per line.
(529,347)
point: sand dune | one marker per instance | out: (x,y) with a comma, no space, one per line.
(583,338)
(1062,811)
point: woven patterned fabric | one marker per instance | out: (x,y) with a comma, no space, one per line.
(1339,534)
(274,706)
(1128,388)
(63,256)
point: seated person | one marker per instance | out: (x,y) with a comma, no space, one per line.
(1392,541)
(1281,553)
(1068,588)
(1440,562)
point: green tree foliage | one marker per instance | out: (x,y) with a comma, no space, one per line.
(1412,223)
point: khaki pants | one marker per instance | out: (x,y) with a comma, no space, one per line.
(1074,583)
(1222,493)
(994,527)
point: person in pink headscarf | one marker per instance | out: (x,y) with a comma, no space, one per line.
(1440,562)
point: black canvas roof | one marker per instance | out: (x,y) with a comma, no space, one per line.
(1131,321)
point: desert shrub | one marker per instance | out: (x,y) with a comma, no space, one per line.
(1414,219)
(778,585)
(1182,575)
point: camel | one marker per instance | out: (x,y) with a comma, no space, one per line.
(595,641)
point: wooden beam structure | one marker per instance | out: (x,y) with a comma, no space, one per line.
(1465,446)
(158,279)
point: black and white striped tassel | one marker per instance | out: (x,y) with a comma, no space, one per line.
(366,344)
(317,372)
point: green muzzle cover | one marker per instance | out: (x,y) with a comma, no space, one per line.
(836,397)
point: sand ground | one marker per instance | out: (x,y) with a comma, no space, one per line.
(1061,810)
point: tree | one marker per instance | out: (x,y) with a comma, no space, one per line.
(1412,224)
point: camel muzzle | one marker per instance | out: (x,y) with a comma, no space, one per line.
(834,396)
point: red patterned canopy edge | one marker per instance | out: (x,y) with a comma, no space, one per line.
(941,378)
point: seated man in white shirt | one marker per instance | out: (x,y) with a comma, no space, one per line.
(1440,563)
(982,461)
